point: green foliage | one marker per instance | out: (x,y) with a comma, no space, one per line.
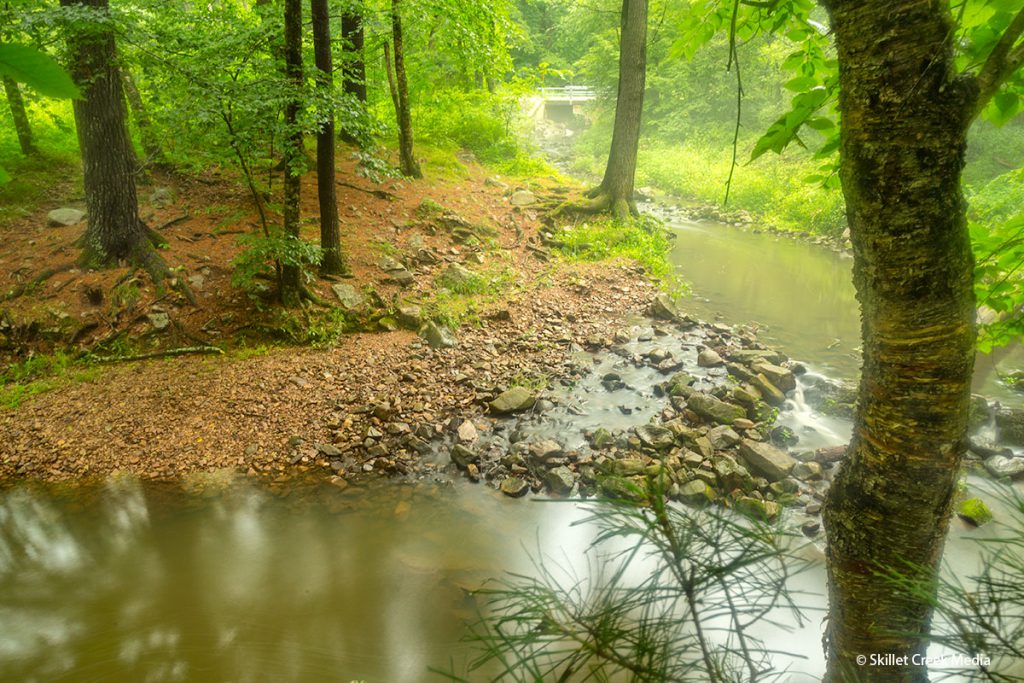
(262,255)
(658,580)
(999,281)
(643,240)
(26,64)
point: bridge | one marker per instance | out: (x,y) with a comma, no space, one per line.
(561,104)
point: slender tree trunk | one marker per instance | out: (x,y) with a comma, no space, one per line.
(330,236)
(620,173)
(142,121)
(291,285)
(20,116)
(354,71)
(905,120)
(115,231)
(407,160)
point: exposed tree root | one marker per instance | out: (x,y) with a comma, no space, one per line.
(185,351)
(598,201)
(36,281)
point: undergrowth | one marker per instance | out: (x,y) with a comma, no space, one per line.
(39,374)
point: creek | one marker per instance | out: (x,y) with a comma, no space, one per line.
(230,582)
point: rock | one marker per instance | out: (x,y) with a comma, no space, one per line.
(657,437)
(388,264)
(807,471)
(722,437)
(810,528)
(664,308)
(349,297)
(463,457)
(743,423)
(512,401)
(457,276)
(755,355)
(494,181)
(410,316)
(784,436)
(467,432)
(559,480)
(402,276)
(543,451)
(975,511)
(601,438)
(696,492)
(159,320)
(161,197)
(769,392)
(1000,466)
(61,218)
(437,336)
(522,198)
(514,487)
(1010,426)
(755,508)
(830,455)
(766,459)
(731,475)
(708,358)
(328,450)
(780,377)
(711,408)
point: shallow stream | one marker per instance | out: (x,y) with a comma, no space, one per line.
(136,583)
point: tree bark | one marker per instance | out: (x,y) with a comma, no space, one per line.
(291,285)
(150,146)
(353,39)
(20,116)
(407,160)
(620,174)
(115,232)
(333,262)
(905,119)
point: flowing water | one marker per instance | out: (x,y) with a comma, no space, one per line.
(136,583)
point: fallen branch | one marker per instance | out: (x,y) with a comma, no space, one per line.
(170,353)
(379,194)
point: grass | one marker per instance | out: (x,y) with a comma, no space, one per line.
(643,240)
(455,303)
(39,374)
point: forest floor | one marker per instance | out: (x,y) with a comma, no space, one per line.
(267,406)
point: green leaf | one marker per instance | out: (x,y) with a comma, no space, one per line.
(4,178)
(820,123)
(801,83)
(28,65)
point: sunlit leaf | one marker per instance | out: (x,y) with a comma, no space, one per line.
(28,65)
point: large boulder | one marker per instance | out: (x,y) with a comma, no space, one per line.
(710,408)
(777,375)
(766,460)
(523,198)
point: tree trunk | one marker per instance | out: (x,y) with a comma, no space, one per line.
(20,116)
(905,120)
(291,285)
(353,38)
(149,143)
(407,161)
(333,262)
(115,231)
(619,176)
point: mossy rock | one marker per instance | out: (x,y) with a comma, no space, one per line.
(974,511)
